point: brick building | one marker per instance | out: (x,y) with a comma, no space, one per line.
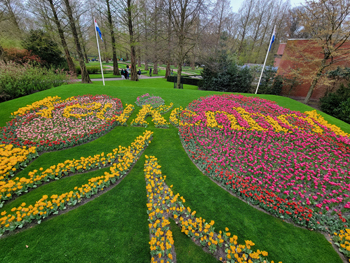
(287,59)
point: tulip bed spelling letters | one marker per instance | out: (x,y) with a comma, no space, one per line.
(293,165)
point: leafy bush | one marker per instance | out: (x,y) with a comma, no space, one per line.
(21,56)
(90,69)
(270,83)
(42,45)
(343,111)
(93,69)
(337,104)
(225,75)
(19,80)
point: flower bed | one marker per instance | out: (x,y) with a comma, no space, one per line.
(146,99)
(294,165)
(52,205)
(162,204)
(52,124)
(157,118)
(13,159)
(18,186)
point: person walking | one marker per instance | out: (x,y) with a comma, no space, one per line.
(139,72)
(125,74)
(122,74)
(150,72)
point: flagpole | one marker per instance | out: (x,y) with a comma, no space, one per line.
(99,55)
(262,71)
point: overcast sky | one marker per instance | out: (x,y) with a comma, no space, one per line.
(235,4)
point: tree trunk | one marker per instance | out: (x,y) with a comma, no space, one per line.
(245,29)
(2,54)
(179,75)
(155,67)
(139,62)
(69,59)
(139,57)
(267,23)
(85,78)
(156,57)
(167,70)
(314,82)
(255,36)
(133,75)
(82,42)
(110,23)
(146,65)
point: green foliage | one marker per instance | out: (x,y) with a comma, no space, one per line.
(42,45)
(343,111)
(340,73)
(225,75)
(337,104)
(90,69)
(19,80)
(269,83)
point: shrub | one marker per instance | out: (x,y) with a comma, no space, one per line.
(42,45)
(21,56)
(267,81)
(270,83)
(19,80)
(337,104)
(90,69)
(93,69)
(225,75)
(343,111)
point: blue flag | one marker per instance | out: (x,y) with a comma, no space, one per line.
(272,40)
(98,30)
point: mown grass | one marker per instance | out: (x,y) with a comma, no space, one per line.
(114,226)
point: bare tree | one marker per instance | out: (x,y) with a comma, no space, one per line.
(14,9)
(63,40)
(185,16)
(245,20)
(260,10)
(131,9)
(111,29)
(155,34)
(85,78)
(126,11)
(327,22)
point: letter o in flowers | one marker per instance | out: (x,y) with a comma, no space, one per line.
(292,164)
(53,123)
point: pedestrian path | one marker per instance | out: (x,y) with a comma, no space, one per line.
(140,77)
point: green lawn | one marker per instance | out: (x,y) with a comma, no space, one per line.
(114,226)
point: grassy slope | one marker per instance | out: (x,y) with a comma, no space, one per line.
(101,230)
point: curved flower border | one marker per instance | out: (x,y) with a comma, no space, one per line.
(46,206)
(8,133)
(162,204)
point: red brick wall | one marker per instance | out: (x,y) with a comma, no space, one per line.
(288,61)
